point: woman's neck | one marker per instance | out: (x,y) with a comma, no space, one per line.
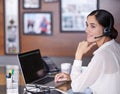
(102,41)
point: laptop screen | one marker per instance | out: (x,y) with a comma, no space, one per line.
(32,65)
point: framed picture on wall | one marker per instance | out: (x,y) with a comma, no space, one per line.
(32,4)
(37,23)
(11,26)
(73,14)
(50,0)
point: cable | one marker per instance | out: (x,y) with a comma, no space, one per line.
(34,89)
(40,89)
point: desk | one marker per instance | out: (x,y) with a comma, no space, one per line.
(12,60)
(63,87)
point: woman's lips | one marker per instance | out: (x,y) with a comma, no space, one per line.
(89,36)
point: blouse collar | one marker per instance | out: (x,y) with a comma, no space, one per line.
(104,45)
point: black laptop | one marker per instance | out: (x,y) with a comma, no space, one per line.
(35,70)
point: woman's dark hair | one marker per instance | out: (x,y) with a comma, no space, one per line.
(105,19)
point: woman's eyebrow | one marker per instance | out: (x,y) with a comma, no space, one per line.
(90,23)
(93,24)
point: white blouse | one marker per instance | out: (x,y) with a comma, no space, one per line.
(103,72)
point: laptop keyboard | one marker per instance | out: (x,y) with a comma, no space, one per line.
(45,80)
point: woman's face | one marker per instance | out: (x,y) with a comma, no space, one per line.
(93,29)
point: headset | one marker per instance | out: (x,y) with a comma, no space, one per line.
(107,30)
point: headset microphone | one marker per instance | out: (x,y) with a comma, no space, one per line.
(99,36)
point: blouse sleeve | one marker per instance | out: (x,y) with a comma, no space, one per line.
(81,80)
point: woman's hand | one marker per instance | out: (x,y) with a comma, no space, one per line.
(62,77)
(82,49)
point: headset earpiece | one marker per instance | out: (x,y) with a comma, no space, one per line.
(106,31)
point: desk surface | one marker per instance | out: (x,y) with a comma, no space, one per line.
(12,60)
(63,87)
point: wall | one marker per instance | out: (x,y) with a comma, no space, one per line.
(1,28)
(58,44)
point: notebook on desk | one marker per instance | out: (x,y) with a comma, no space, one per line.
(35,70)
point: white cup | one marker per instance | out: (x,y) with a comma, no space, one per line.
(66,68)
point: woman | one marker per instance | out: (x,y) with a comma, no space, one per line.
(103,72)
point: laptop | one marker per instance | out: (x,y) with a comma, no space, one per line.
(35,70)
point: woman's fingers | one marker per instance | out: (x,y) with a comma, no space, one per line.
(61,77)
(58,76)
